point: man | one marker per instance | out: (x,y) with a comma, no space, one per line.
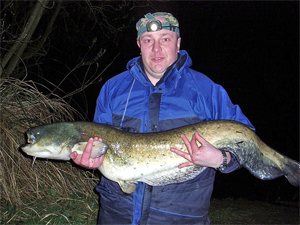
(160,92)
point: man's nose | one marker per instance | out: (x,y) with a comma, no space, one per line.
(156,46)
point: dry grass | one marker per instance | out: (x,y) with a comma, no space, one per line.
(73,210)
(23,106)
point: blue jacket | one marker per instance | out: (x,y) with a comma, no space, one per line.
(183,96)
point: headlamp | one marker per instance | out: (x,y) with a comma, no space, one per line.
(154,25)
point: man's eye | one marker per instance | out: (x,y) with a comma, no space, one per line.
(148,41)
(166,39)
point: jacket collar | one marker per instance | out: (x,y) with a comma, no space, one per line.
(136,68)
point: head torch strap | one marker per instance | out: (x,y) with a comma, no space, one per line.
(171,28)
(150,16)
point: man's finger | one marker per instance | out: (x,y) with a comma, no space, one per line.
(73,155)
(77,159)
(194,144)
(181,153)
(187,144)
(87,152)
(184,138)
(200,138)
(186,164)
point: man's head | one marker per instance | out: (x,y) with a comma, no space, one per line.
(159,42)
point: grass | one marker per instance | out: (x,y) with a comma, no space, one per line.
(51,210)
(23,106)
(242,211)
(84,210)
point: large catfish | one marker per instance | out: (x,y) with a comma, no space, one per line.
(146,157)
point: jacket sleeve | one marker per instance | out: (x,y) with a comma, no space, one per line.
(223,108)
(217,105)
(103,112)
(214,102)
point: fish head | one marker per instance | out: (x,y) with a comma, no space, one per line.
(52,141)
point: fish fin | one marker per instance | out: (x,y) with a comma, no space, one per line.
(269,168)
(127,187)
(99,148)
(292,171)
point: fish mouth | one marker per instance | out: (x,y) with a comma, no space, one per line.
(30,139)
(46,152)
(26,147)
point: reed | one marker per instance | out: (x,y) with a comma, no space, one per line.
(22,106)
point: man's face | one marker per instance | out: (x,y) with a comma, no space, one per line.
(159,50)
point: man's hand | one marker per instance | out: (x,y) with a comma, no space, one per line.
(205,155)
(85,159)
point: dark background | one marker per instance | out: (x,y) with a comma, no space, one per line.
(250,48)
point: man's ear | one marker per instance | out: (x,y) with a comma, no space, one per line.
(178,43)
(138,43)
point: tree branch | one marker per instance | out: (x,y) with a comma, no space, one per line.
(12,57)
(43,39)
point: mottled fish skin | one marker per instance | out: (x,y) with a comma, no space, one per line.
(146,157)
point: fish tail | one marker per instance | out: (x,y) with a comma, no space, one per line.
(291,170)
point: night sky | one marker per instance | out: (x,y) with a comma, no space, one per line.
(252,50)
